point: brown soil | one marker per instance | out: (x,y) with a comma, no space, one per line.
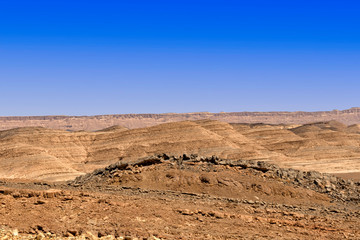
(177,200)
(355,176)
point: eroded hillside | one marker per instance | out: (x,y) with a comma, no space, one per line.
(39,153)
(325,146)
(46,154)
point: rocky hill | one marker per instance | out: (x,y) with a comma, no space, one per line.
(56,155)
(92,123)
(189,173)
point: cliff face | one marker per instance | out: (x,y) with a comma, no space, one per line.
(92,123)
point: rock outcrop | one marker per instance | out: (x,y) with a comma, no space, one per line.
(337,188)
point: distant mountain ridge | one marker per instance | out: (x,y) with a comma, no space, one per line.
(92,123)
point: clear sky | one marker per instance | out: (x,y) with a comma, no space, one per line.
(63,57)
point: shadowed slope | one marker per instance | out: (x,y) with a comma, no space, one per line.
(354,128)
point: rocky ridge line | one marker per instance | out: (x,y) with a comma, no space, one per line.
(336,187)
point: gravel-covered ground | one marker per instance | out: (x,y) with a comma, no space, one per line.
(192,197)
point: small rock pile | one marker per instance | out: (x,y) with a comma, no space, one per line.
(335,187)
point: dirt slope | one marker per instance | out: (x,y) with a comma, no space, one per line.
(325,146)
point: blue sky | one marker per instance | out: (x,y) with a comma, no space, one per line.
(106,57)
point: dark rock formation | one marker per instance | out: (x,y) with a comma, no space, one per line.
(337,188)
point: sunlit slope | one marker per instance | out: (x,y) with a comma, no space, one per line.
(324,146)
(41,153)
